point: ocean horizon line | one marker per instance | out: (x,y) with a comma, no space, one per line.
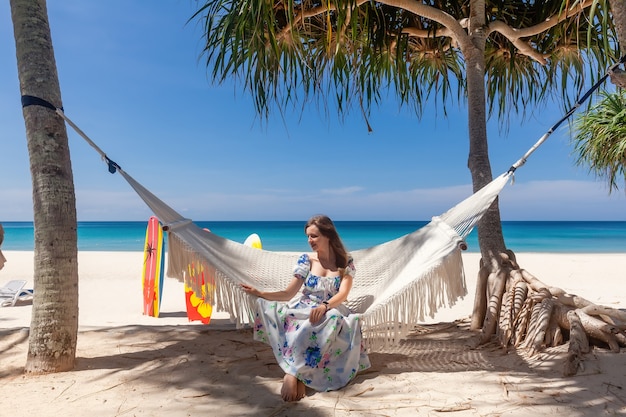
(542,236)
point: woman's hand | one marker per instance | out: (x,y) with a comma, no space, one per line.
(251,290)
(284,295)
(318,313)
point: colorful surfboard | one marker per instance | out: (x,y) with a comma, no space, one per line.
(198,304)
(254,241)
(153,265)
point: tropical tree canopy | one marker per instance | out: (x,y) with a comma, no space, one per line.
(286,52)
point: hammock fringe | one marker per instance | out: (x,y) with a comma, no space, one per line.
(439,287)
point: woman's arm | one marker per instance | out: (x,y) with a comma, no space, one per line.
(318,313)
(284,295)
(342,294)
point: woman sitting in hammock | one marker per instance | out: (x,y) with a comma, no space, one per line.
(314,338)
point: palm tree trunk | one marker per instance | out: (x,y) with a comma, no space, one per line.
(54,323)
(618,10)
(490,235)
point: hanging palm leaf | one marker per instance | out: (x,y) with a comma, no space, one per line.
(600,138)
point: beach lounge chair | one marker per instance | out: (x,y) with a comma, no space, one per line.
(13,291)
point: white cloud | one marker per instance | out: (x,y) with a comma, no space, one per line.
(342,191)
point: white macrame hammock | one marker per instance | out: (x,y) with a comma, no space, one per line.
(396,284)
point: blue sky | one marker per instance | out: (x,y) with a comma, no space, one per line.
(132,78)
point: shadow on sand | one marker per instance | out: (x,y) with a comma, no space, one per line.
(201,369)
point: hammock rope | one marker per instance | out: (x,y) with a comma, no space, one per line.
(567,115)
(397,283)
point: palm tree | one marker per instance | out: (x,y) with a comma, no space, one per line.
(54,323)
(600,138)
(599,135)
(501,56)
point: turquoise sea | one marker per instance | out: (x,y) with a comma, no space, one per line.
(521,236)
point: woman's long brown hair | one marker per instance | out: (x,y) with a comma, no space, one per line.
(327,228)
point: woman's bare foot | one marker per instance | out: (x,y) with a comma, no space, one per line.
(301,390)
(291,389)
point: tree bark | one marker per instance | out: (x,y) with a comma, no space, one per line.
(480,299)
(490,235)
(578,345)
(618,10)
(54,323)
(489,228)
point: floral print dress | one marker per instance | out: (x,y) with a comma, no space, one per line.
(324,356)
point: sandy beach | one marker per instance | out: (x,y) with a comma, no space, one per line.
(129,364)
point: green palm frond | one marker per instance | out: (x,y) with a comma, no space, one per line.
(350,54)
(600,139)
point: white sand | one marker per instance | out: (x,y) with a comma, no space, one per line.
(131,364)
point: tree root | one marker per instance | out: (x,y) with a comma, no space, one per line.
(519,310)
